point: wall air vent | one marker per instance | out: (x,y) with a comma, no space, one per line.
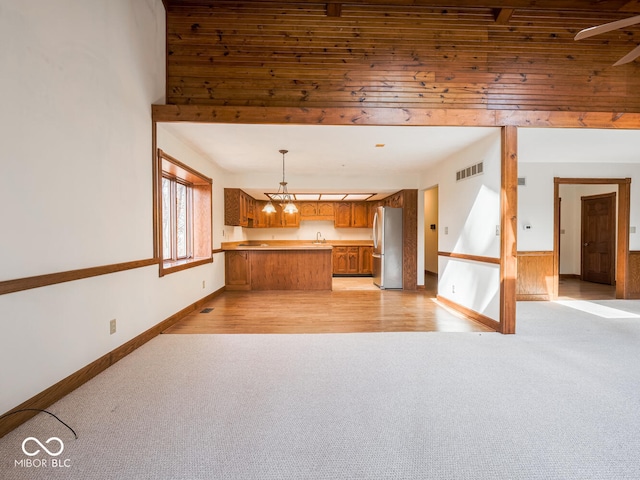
(471,171)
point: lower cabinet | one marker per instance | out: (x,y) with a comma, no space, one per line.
(366,260)
(237,270)
(352,260)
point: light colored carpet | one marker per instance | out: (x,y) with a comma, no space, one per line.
(559,400)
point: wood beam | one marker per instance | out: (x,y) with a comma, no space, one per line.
(508,229)
(575,5)
(503,15)
(393,116)
(334,9)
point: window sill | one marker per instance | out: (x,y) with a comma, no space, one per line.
(178,265)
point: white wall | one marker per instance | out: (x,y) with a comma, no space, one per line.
(431,236)
(79,79)
(535,200)
(469,212)
(307,231)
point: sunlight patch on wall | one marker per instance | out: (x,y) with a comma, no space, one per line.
(478,236)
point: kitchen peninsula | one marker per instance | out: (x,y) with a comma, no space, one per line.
(258,265)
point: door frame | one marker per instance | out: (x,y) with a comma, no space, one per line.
(623,220)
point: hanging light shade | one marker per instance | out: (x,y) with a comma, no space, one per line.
(269,208)
(283,197)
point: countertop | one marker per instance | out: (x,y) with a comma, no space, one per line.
(291,244)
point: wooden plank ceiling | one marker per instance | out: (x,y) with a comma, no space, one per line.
(493,55)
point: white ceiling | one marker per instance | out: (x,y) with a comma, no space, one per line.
(351,150)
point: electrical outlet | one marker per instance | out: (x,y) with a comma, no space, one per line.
(497,230)
(203,283)
(453,289)
(446,230)
(112,327)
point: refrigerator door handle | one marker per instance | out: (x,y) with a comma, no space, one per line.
(375,230)
(377,255)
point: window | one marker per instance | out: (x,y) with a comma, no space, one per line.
(183,206)
(177,219)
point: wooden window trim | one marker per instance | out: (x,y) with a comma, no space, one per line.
(167,166)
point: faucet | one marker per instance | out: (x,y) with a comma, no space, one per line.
(318,238)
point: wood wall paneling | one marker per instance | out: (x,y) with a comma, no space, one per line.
(269,54)
(634,274)
(535,276)
(289,270)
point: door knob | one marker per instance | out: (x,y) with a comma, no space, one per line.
(586,244)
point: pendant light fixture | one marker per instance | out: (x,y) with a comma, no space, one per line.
(283,197)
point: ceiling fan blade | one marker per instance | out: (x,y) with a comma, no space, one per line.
(607,27)
(629,57)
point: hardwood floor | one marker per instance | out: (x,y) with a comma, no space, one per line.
(576,289)
(354,305)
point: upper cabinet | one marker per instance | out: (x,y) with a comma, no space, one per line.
(351,215)
(239,207)
(279,219)
(316,210)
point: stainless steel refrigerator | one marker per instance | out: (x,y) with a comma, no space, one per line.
(387,247)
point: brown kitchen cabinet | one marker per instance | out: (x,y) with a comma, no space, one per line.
(351,215)
(260,218)
(345,260)
(325,211)
(278,219)
(237,270)
(342,215)
(365,264)
(308,210)
(316,210)
(352,260)
(359,214)
(239,207)
(288,219)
